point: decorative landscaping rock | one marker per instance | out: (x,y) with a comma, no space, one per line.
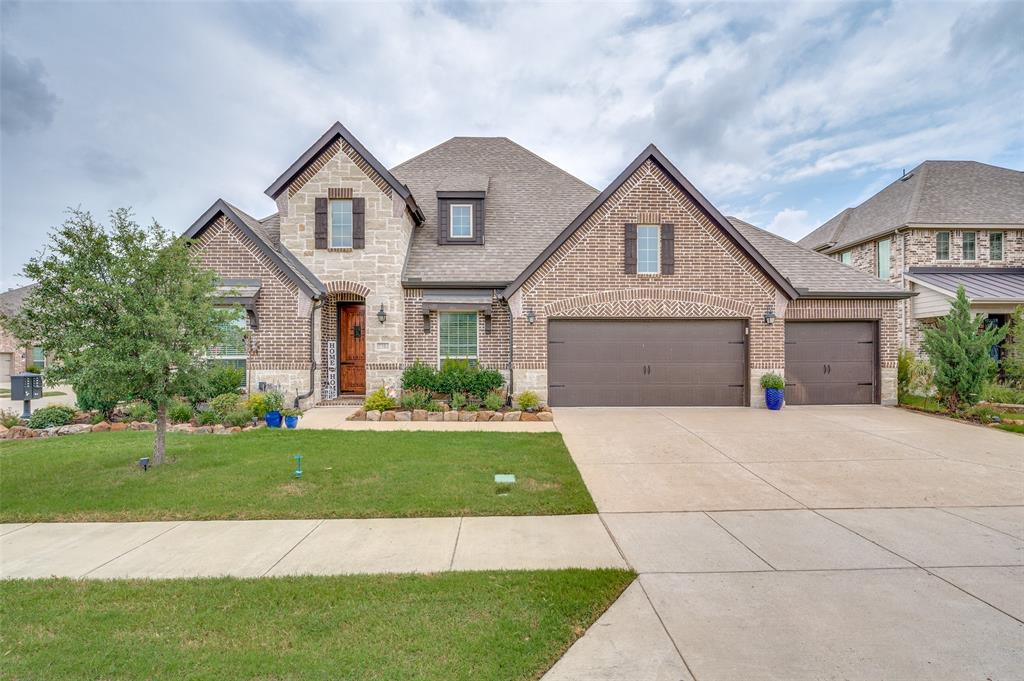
(419,414)
(403,416)
(387,416)
(74,429)
(358,415)
(484,415)
(467,416)
(142,425)
(47,432)
(235,429)
(218,428)
(182,428)
(101,427)
(527,416)
(20,433)
(451,416)
(512,415)
(545,416)
(497,416)
(118,426)
(3,431)
(373,415)
(433,416)
(204,430)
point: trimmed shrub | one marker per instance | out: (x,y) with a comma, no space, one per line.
(33,369)
(89,399)
(484,381)
(415,399)
(139,411)
(54,415)
(494,401)
(180,412)
(239,417)
(772,380)
(378,400)
(456,376)
(257,404)
(528,400)
(224,404)
(419,376)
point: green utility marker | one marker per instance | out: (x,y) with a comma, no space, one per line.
(298,465)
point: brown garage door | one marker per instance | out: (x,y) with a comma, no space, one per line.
(831,362)
(639,362)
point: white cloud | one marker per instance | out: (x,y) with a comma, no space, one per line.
(791,223)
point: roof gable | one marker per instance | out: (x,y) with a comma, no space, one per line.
(256,230)
(653,154)
(335,132)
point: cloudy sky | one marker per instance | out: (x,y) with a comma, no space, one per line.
(782,114)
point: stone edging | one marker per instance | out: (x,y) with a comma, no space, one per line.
(451,416)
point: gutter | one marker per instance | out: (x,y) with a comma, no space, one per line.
(317,304)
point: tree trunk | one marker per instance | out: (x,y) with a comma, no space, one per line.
(160,443)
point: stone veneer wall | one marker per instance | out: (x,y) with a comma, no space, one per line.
(585,278)
(278,350)
(492,348)
(886,312)
(374,272)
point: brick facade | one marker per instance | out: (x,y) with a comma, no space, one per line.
(17,352)
(420,346)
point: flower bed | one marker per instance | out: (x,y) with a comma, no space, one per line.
(24,432)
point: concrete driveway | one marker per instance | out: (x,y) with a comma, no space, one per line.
(809,544)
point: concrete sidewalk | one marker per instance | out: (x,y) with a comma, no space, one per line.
(254,548)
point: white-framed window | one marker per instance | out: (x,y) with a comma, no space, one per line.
(341,223)
(846,257)
(942,245)
(648,249)
(970,246)
(231,350)
(995,245)
(457,336)
(461,220)
(883,258)
(38,357)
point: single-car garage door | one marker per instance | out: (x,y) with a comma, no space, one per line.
(831,362)
(6,361)
(647,362)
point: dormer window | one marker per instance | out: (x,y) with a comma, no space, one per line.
(461,221)
(341,223)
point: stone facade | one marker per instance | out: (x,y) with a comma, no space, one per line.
(373,272)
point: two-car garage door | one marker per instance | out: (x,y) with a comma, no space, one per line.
(647,362)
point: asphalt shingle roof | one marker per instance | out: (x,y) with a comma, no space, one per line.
(528,203)
(933,193)
(11,301)
(812,273)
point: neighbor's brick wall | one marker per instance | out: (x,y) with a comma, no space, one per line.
(585,278)
(17,350)
(374,272)
(492,348)
(278,350)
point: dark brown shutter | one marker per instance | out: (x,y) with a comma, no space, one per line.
(478,221)
(358,222)
(320,226)
(630,258)
(668,249)
(442,222)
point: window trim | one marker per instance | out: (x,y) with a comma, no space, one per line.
(657,258)
(472,359)
(963,246)
(330,224)
(1002,246)
(451,221)
(846,257)
(949,246)
(41,365)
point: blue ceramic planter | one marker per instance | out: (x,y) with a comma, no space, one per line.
(773,397)
(273,419)
(291,421)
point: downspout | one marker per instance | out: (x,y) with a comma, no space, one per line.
(317,304)
(511,352)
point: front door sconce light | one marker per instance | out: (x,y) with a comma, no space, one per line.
(531,317)
(769,317)
(382,316)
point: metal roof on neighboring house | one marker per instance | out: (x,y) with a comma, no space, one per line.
(1002,284)
(934,193)
(528,203)
(814,274)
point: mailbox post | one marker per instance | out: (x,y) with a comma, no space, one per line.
(26,387)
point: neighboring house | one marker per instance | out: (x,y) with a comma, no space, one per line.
(16,354)
(942,225)
(478,249)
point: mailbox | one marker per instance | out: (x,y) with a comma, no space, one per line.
(26,386)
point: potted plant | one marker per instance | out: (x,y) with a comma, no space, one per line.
(291,417)
(774,390)
(273,401)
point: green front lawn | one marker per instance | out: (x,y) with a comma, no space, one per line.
(355,474)
(471,626)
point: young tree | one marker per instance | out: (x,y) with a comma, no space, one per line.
(1013,361)
(958,347)
(123,310)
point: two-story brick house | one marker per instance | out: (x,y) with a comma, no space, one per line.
(942,225)
(640,294)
